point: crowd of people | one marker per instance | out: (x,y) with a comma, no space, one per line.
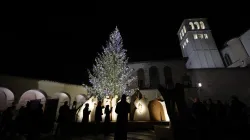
(208,117)
(28,121)
(217,118)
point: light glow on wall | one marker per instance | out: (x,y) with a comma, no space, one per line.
(165,111)
(114,102)
(141,112)
(92,104)
(62,97)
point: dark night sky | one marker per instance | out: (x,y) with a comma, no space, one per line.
(61,48)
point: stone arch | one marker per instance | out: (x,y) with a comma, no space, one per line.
(81,99)
(192,25)
(141,78)
(33,95)
(168,77)
(197,25)
(6,98)
(62,97)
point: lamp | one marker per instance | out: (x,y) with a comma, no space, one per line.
(199,85)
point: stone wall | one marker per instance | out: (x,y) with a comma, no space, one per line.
(19,85)
(221,84)
(177,68)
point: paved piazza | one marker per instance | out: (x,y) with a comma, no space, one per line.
(131,136)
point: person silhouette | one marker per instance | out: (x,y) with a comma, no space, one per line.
(73,111)
(107,120)
(98,116)
(63,118)
(86,113)
(122,109)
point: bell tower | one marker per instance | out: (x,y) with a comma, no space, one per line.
(198,45)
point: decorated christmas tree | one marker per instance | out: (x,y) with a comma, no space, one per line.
(111,75)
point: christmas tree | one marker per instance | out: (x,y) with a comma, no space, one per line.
(111,75)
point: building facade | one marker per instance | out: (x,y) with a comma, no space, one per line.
(20,90)
(198,45)
(236,52)
(205,68)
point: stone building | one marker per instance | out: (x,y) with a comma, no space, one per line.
(21,90)
(216,74)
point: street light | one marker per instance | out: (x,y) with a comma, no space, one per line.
(199,88)
(199,85)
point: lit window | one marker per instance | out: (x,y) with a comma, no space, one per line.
(187,40)
(200,36)
(185,44)
(197,25)
(184,29)
(192,25)
(182,32)
(202,25)
(180,36)
(205,36)
(195,36)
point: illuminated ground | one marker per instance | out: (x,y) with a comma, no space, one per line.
(147,135)
(131,136)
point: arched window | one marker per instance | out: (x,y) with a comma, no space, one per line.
(200,36)
(168,77)
(184,29)
(202,25)
(227,59)
(195,36)
(182,32)
(154,77)
(192,25)
(205,36)
(197,25)
(141,78)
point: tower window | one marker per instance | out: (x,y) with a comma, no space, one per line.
(202,25)
(205,36)
(197,25)
(200,36)
(185,44)
(192,25)
(187,40)
(184,29)
(195,36)
(182,32)
(180,36)
(228,59)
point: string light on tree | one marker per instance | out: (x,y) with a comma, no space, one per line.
(111,75)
